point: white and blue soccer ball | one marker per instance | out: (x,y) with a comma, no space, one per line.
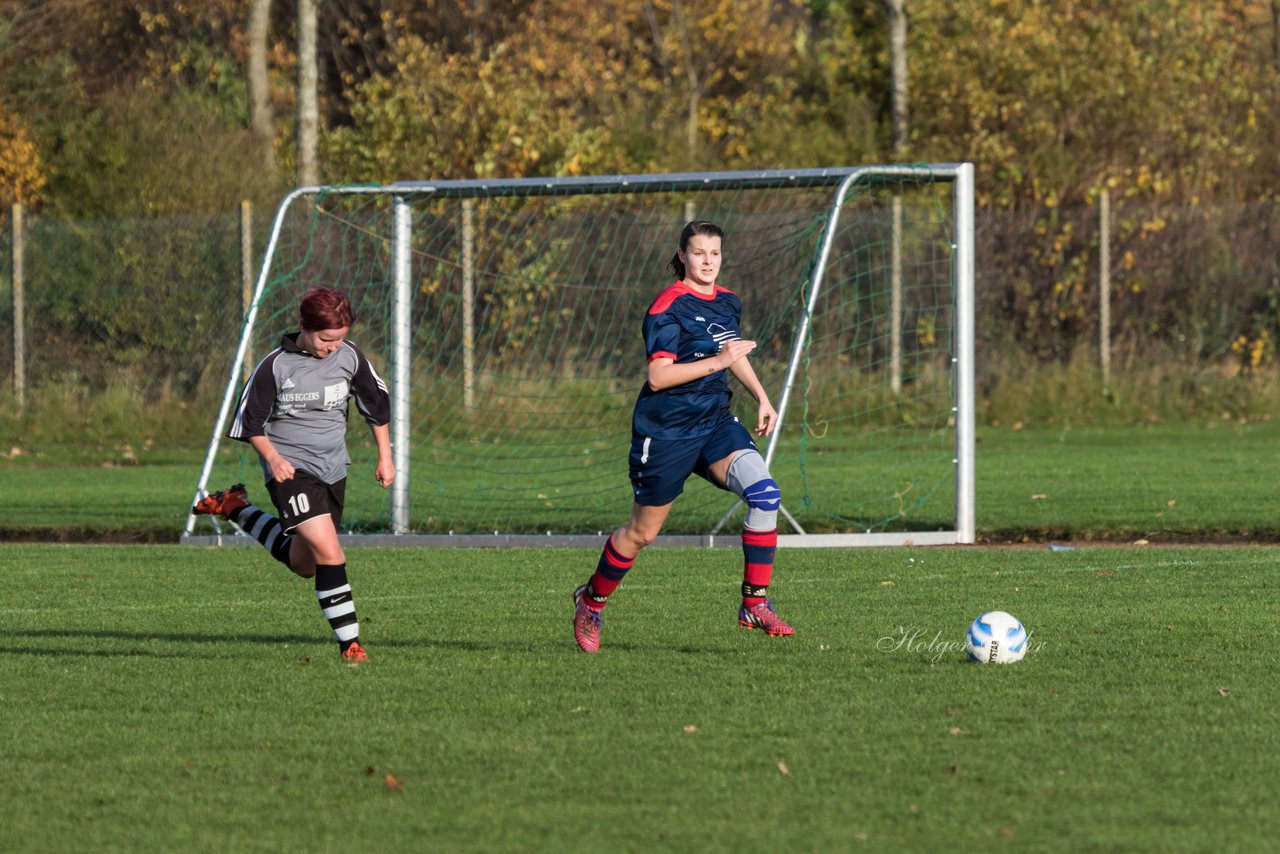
(996,637)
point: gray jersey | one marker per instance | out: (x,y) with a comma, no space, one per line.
(300,402)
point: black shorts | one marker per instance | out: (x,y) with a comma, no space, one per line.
(659,467)
(305,496)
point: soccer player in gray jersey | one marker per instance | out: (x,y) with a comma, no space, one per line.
(293,411)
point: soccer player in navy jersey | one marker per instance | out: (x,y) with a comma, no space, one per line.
(293,412)
(682,425)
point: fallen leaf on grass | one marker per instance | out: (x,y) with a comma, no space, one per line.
(783,769)
(1106,573)
(392,782)
(690,728)
(955,730)
(1039,496)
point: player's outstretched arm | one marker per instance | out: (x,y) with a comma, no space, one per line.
(766,415)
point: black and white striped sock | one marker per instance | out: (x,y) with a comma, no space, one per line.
(266,529)
(334,594)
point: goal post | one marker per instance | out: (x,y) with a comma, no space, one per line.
(505,315)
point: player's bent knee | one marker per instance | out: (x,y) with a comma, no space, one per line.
(749,479)
(763,516)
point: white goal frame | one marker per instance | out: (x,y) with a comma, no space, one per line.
(404,194)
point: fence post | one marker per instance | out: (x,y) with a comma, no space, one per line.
(895,299)
(1104,287)
(468,305)
(19,309)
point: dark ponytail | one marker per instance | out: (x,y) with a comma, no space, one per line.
(698,226)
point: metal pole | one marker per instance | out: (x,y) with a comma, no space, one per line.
(401,359)
(802,336)
(19,310)
(895,299)
(468,304)
(965,401)
(237,363)
(246,270)
(1104,288)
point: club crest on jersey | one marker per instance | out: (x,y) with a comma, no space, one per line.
(335,395)
(720,334)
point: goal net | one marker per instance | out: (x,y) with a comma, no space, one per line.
(505,316)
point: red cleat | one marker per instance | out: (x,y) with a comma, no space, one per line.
(586,622)
(762,616)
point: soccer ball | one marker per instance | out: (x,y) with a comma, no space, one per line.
(996,637)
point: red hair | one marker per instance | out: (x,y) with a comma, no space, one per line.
(324,308)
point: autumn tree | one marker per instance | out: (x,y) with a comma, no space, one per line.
(1163,98)
(579,86)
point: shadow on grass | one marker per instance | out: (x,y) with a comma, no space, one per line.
(114,639)
(145,638)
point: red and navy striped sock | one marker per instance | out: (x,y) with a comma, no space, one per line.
(758,548)
(610,570)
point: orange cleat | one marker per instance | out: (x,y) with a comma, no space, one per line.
(354,654)
(223,503)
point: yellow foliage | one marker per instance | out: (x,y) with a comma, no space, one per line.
(21,171)
(1163,99)
(1254,353)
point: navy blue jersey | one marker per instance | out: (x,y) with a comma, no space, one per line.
(685,326)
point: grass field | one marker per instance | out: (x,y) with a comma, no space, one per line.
(159,697)
(169,698)
(1164,482)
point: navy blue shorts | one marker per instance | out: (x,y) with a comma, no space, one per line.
(659,467)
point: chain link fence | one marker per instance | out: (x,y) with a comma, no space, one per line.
(157,303)
(152,303)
